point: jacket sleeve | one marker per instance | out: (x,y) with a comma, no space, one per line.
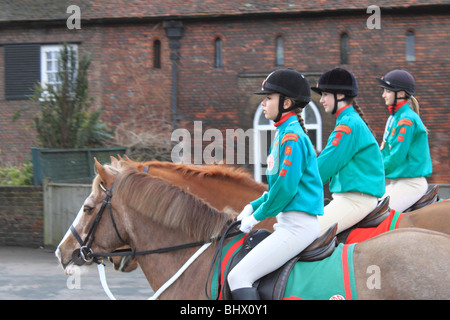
(400,140)
(258,202)
(337,153)
(285,185)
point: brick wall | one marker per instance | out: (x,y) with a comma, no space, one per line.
(222,97)
(125,84)
(21,216)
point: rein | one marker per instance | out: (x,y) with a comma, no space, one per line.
(132,251)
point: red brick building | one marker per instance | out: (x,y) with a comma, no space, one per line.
(208,71)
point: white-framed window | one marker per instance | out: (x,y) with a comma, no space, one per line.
(264,132)
(49,63)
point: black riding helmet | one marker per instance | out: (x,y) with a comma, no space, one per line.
(398,80)
(336,81)
(288,83)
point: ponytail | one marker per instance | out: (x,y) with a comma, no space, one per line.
(299,105)
(415,107)
(298,111)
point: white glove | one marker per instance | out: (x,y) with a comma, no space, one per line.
(248,223)
(248,210)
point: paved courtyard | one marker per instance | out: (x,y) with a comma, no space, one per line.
(35,274)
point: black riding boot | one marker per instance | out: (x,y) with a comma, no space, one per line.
(245,294)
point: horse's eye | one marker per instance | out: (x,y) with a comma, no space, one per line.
(87,209)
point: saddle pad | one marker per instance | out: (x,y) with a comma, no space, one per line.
(329,279)
(362,234)
(228,251)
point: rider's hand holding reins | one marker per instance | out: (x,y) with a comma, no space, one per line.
(248,223)
(247,211)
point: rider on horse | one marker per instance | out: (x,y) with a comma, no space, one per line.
(295,194)
(351,161)
(405,149)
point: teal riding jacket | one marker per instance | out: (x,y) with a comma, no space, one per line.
(406,153)
(292,173)
(351,160)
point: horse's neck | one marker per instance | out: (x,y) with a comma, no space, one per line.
(159,268)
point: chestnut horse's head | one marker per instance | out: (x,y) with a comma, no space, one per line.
(97,216)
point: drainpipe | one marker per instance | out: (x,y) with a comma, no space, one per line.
(174,31)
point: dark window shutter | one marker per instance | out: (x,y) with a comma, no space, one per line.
(22,70)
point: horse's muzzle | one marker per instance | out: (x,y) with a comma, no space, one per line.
(82,256)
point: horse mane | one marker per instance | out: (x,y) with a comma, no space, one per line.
(169,205)
(240,175)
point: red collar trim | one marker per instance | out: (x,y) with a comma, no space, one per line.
(397,106)
(342,109)
(284,118)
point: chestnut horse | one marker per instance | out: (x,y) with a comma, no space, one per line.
(148,213)
(225,188)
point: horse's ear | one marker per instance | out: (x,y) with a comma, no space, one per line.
(99,167)
(106,178)
(114,162)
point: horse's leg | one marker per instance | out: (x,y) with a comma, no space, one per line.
(403,264)
(432,217)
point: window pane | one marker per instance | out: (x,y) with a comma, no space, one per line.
(410,46)
(157,54)
(344,48)
(279,51)
(218,53)
(49,63)
(309,115)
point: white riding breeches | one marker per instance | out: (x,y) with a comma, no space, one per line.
(347,209)
(294,231)
(405,192)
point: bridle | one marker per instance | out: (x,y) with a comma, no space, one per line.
(84,254)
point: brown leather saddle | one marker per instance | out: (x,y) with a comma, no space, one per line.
(373,219)
(431,196)
(273,285)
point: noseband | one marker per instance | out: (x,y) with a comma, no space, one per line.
(84,254)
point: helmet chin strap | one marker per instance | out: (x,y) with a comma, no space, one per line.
(280,107)
(336,102)
(395,102)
